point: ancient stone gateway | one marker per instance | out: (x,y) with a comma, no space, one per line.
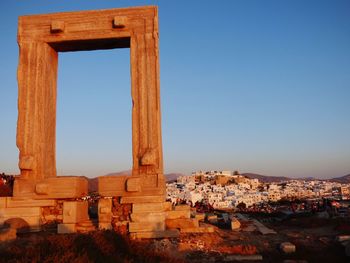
(40,39)
(134,204)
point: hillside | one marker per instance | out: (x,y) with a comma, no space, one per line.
(172,176)
(265,178)
(343,179)
(268,179)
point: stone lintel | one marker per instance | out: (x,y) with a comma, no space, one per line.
(86,25)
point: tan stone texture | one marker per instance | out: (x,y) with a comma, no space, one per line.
(31,215)
(48,188)
(11,202)
(200,217)
(3,201)
(75,212)
(66,187)
(174,214)
(105,210)
(168,206)
(19,212)
(150,185)
(181,223)
(148,207)
(148,217)
(182,208)
(34,222)
(133,184)
(235,224)
(146,226)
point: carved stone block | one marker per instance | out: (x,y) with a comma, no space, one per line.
(181,223)
(133,184)
(175,214)
(49,188)
(146,226)
(3,202)
(105,210)
(11,202)
(148,207)
(75,212)
(57,26)
(148,217)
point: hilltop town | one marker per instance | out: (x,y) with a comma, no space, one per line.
(231,190)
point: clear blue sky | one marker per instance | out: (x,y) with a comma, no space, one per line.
(258,86)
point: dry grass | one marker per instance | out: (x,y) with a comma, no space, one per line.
(100,246)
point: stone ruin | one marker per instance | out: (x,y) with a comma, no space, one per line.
(130,204)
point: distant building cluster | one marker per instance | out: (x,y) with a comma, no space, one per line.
(226,190)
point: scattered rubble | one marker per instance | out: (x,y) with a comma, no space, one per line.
(225,245)
(213,219)
(342,238)
(235,224)
(287,247)
(263,229)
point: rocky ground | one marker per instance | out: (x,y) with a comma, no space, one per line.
(315,240)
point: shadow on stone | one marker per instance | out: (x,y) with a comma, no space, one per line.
(19,224)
